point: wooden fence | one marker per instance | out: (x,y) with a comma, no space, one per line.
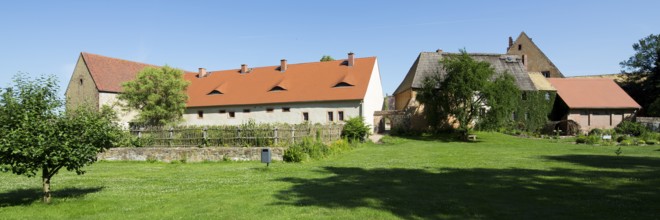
(233,136)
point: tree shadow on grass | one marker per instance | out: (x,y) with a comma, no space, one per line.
(452,193)
(28,196)
(604,161)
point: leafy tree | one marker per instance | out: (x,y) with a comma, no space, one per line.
(326,58)
(158,94)
(458,97)
(36,135)
(643,74)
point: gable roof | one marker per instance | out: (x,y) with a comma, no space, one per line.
(581,93)
(523,37)
(427,63)
(304,82)
(109,73)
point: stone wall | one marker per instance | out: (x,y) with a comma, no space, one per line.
(652,123)
(189,154)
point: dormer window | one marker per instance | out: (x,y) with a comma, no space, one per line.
(215,92)
(277,88)
(342,84)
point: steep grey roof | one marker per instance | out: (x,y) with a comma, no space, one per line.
(427,63)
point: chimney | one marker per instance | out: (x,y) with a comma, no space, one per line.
(244,68)
(283,65)
(510,43)
(438,51)
(351,59)
(202,73)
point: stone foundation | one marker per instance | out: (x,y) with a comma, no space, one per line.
(189,154)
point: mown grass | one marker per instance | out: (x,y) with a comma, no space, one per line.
(498,177)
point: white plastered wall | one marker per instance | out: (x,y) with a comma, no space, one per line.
(373,99)
(110,99)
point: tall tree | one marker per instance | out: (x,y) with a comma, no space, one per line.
(458,97)
(643,74)
(36,135)
(158,94)
(326,58)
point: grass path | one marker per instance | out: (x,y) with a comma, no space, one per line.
(500,177)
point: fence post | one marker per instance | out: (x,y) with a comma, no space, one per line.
(205,135)
(171,137)
(140,132)
(238,136)
(293,135)
(275,135)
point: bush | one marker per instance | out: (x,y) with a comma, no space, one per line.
(640,142)
(631,128)
(651,142)
(581,140)
(622,138)
(593,139)
(626,142)
(294,154)
(596,132)
(355,129)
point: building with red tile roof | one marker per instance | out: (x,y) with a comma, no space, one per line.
(317,92)
(593,102)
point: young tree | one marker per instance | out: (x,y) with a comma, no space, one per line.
(158,94)
(326,58)
(36,135)
(458,97)
(643,74)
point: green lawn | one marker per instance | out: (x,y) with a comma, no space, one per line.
(499,177)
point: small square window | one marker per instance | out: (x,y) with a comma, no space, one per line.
(519,46)
(546,74)
(286,109)
(305,116)
(524,96)
(269,110)
(232,114)
(200,114)
(222,111)
(331,116)
(340,115)
(246,110)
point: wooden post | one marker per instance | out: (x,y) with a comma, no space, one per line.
(140,132)
(238,135)
(275,135)
(293,135)
(205,136)
(169,142)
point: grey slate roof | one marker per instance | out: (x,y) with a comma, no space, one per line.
(427,63)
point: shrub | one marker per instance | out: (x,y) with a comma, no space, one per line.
(626,142)
(651,142)
(294,153)
(640,142)
(596,132)
(581,140)
(632,128)
(593,139)
(355,129)
(622,138)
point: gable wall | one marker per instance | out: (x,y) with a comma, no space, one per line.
(536,61)
(81,94)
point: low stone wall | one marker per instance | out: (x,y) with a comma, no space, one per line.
(189,154)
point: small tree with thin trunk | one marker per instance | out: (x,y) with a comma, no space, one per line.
(36,135)
(158,94)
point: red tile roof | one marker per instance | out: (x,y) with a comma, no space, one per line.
(581,93)
(304,82)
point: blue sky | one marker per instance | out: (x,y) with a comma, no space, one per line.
(580,37)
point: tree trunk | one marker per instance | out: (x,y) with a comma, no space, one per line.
(46,179)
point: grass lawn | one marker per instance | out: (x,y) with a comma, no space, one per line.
(499,177)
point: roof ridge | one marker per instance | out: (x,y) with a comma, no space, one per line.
(294,64)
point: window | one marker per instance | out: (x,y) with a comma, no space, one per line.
(286,109)
(200,114)
(547,96)
(546,74)
(513,115)
(246,110)
(331,116)
(232,114)
(524,96)
(277,88)
(340,115)
(222,111)
(215,92)
(305,116)
(526,116)
(519,46)
(81,81)
(269,110)
(343,84)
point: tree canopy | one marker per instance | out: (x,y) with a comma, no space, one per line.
(35,134)
(158,94)
(643,74)
(465,93)
(326,58)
